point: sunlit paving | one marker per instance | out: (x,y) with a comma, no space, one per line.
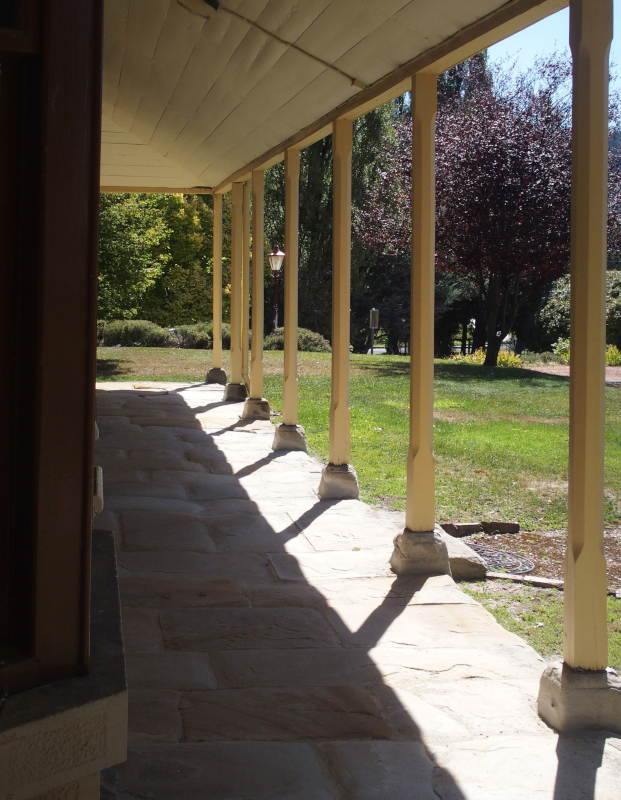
(270,650)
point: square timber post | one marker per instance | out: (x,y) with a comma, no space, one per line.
(580,693)
(420,549)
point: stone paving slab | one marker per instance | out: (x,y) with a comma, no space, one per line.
(407,667)
(117,489)
(393,591)
(258,533)
(416,626)
(485,707)
(141,631)
(195,566)
(245,629)
(152,502)
(381,770)
(537,767)
(224,771)
(332,565)
(181,672)
(146,529)
(283,714)
(182,593)
(154,716)
(254,614)
(323,666)
(369,592)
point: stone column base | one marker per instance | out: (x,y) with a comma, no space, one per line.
(256,408)
(571,700)
(235,393)
(339,482)
(289,437)
(216,375)
(420,553)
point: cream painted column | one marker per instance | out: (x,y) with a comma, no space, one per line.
(236,389)
(256,405)
(579,692)
(289,435)
(585,645)
(420,548)
(246,284)
(216,374)
(338,479)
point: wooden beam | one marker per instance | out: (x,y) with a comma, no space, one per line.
(155,190)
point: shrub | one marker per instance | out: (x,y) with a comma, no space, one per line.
(195,337)
(226,336)
(554,316)
(308,341)
(613,356)
(541,358)
(505,358)
(508,359)
(478,357)
(133,333)
(561,349)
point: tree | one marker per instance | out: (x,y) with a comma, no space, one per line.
(461,83)
(503,166)
(315,226)
(553,318)
(156,257)
(131,257)
(183,293)
(503,195)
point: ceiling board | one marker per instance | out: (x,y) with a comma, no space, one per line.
(255,56)
(208,97)
(142,32)
(343,24)
(178,37)
(115,23)
(125,160)
(270,94)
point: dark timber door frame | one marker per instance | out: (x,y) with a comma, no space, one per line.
(50,131)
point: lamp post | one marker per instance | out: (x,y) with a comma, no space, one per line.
(276,257)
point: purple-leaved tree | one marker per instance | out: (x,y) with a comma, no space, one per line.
(503,189)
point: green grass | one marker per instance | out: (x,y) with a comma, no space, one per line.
(537,616)
(501,435)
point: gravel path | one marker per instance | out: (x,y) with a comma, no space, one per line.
(613,374)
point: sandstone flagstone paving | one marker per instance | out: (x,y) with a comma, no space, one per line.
(308,713)
(271,653)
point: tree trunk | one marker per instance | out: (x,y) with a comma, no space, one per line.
(493,348)
(493,339)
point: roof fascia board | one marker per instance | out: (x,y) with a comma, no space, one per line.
(510,18)
(154,190)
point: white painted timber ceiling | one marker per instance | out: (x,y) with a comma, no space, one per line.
(188,100)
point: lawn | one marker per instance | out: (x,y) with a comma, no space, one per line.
(501,435)
(501,444)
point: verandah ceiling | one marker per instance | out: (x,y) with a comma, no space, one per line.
(188,100)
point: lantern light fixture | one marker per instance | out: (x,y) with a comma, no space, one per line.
(276,257)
